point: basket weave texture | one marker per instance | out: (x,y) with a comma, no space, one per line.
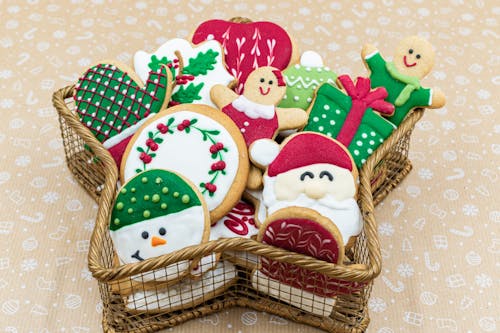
(96,171)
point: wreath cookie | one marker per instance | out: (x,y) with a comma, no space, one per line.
(201,144)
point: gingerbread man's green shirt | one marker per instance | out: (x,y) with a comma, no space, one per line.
(404,91)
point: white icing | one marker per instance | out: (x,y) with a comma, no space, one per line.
(183,229)
(261,213)
(204,265)
(252,109)
(188,154)
(371,54)
(264,151)
(186,293)
(311,59)
(218,75)
(299,298)
(220,230)
(123,134)
(306,85)
(345,214)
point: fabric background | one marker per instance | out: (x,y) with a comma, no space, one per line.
(439,229)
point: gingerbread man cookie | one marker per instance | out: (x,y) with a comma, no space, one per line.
(413,60)
(255,112)
(113,103)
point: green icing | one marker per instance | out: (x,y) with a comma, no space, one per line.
(381,77)
(189,94)
(119,206)
(412,83)
(302,82)
(140,210)
(185,199)
(328,114)
(202,63)
(105,89)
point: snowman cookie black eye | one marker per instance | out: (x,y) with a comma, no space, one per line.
(326,174)
(145,235)
(162,231)
(410,51)
(306,174)
(262,80)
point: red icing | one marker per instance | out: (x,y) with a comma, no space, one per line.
(238,219)
(309,148)
(310,238)
(117,150)
(258,128)
(262,91)
(407,64)
(362,99)
(248,46)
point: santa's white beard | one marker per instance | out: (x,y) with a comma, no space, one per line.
(344,214)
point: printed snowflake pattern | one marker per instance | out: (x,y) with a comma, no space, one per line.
(484,281)
(50,197)
(29,265)
(376,304)
(405,270)
(470,210)
(386,229)
(425,173)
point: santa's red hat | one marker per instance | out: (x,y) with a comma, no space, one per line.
(307,148)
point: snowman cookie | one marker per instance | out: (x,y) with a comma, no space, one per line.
(255,112)
(413,60)
(158,212)
(303,79)
(197,68)
(113,102)
(201,144)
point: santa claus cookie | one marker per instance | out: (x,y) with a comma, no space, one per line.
(413,60)
(196,68)
(158,212)
(255,112)
(113,102)
(248,45)
(313,171)
(303,79)
(201,144)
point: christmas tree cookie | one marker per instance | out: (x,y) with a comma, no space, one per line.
(200,143)
(196,68)
(155,213)
(413,60)
(303,79)
(112,102)
(351,117)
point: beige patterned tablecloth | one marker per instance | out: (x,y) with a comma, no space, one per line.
(439,229)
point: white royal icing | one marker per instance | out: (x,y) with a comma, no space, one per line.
(188,154)
(252,109)
(311,59)
(218,75)
(264,151)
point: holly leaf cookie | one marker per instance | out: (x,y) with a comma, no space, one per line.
(196,68)
(248,45)
(413,59)
(198,142)
(303,79)
(350,116)
(113,102)
(155,213)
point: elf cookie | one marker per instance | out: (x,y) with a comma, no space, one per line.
(112,102)
(158,212)
(248,45)
(202,66)
(413,60)
(187,293)
(312,171)
(303,231)
(350,116)
(303,79)
(198,142)
(255,112)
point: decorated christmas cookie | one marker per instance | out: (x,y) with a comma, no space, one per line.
(303,231)
(158,212)
(255,112)
(313,171)
(201,144)
(239,222)
(202,67)
(248,45)
(303,79)
(187,293)
(413,60)
(350,116)
(113,102)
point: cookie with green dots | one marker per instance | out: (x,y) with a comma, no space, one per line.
(155,213)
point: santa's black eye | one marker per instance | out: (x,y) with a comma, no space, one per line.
(306,174)
(417,56)
(270,81)
(162,231)
(262,80)
(326,174)
(145,234)
(410,51)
